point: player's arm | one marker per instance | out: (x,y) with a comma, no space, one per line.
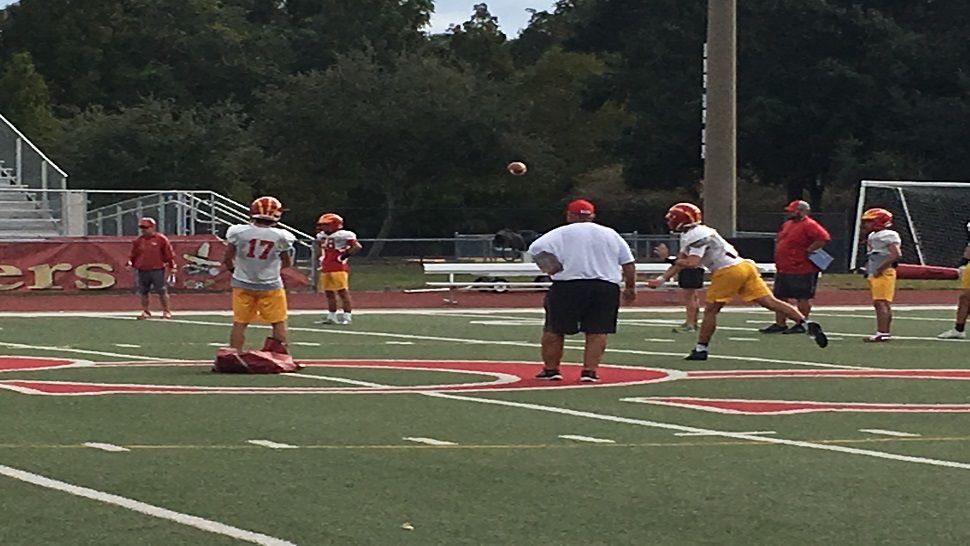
(353,248)
(229,260)
(966,255)
(894,254)
(629,282)
(820,237)
(548,263)
(286,259)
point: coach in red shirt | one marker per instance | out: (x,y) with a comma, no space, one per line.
(796,276)
(151,254)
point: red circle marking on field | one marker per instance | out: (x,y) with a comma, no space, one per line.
(504,376)
(12,363)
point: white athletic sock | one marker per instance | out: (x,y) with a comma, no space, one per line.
(332,315)
(700,348)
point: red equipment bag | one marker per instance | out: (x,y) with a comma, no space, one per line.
(911,271)
(272,358)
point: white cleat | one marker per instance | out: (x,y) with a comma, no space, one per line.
(952,333)
(345,320)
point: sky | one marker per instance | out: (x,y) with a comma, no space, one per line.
(511,14)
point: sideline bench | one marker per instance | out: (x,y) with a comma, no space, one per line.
(495,276)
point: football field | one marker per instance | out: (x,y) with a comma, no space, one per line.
(427,427)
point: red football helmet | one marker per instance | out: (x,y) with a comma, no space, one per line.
(878,218)
(330,222)
(266,208)
(683,215)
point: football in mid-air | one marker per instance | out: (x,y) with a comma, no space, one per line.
(517,168)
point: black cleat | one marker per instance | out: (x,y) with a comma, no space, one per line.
(549,375)
(815,330)
(696,355)
(796,329)
(773,329)
(588,376)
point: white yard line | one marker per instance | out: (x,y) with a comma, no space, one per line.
(304,343)
(72,350)
(271,445)
(398,343)
(760,432)
(588,439)
(106,447)
(144,508)
(128,345)
(428,441)
(531,345)
(743,339)
(882,432)
(653,323)
(659,340)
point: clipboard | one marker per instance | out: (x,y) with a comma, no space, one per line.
(821,259)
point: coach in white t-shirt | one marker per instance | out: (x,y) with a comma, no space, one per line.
(587,263)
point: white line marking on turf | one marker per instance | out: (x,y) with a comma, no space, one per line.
(72,350)
(589,439)
(128,345)
(743,339)
(657,324)
(671,426)
(271,445)
(528,344)
(305,343)
(144,508)
(709,434)
(215,344)
(429,441)
(889,432)
(106,447)
(658,340)
(398,343)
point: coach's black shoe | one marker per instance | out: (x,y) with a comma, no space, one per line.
(773,329)
(588,376)
(815,330)
(696,355)
(796,329)
(549,375)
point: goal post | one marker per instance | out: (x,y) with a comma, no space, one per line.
(931,218)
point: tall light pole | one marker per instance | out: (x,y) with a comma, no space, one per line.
(720,152)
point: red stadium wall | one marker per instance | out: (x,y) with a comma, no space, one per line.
(98,264)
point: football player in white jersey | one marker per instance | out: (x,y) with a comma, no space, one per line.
(883,245)
(257,252)
(963,306)
(336,245)
(731,275)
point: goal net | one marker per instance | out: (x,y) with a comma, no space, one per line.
(931,218)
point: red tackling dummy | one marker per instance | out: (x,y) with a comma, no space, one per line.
(911,271)
(272,358)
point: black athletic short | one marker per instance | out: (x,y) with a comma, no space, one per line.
(589,306)
(798,286)
(691,278)
(150,280)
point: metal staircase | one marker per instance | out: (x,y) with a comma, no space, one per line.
(22,214)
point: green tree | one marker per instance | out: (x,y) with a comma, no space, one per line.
(24,98)
(479,42)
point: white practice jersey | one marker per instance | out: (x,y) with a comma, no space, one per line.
(332,245)
(258,251)
(715,252)
(586,251)
(878,244)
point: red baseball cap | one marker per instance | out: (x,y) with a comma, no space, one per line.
(146,223)
(797,204)
(580,206)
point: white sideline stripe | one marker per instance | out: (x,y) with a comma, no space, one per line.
(589,439)
(106,447)
(429,441)
(743,339)
(271,445)
(128,345)
(723,434)
(889,432)
(72,350)
(708,434)
(668,426)
(483,312)
(144,508)
(528,344)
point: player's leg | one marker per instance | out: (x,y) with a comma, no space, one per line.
(782,291)
(166,304)
(244,310)
(552,349)
(341,285)
(143,284)
(562,318)
(280,332)
(273,309)
(331,307)
(883,289)
(755,289)
(804,291)
(706,332)
(963,309)
(692,305)
(690,281)
(593,352)
(597,321)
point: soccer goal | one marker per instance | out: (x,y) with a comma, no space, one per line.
(931,218)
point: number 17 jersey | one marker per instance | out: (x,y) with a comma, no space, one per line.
(258,250)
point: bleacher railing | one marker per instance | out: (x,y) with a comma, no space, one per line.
(21,162)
